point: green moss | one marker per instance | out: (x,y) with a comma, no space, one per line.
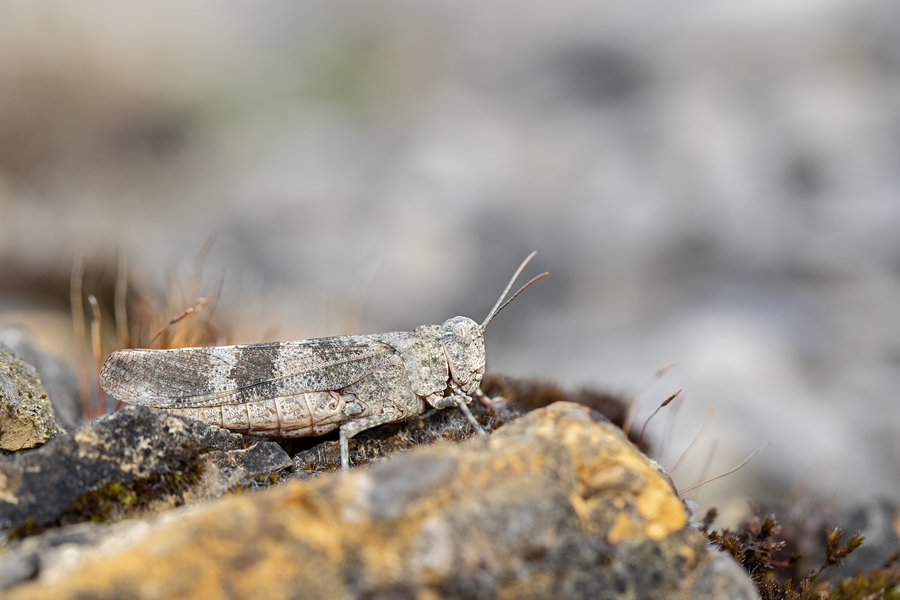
(260,481)
(116,500)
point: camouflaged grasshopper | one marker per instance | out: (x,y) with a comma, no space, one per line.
(311,387)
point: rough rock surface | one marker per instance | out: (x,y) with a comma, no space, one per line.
(383,442)
(555,504)
(510,399)
(879,521)
(58,379)
(27,419)
(131,458)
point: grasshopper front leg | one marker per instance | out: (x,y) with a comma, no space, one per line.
(459,398)
(462,401)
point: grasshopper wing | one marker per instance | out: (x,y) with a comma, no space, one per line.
(229,375)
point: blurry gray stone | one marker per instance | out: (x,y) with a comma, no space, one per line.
(57,377)
(18,567)
(878,521)
(56,549)
(27,419)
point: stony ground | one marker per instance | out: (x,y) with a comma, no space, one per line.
(709,184)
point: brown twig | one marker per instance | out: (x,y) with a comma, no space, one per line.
(98,352)
(120,302)
(658,408)
(197,307)
(629,416)
(75,296)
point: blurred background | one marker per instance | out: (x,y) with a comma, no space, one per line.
(709,184)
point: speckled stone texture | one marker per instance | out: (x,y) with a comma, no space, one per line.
(27,419)
(554,505)
(131,444)
(58,379)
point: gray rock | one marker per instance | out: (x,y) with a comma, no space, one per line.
(132,461)
(58,379)
(18,567)
(57,549)
(877,520)
(557,504)
(27,419)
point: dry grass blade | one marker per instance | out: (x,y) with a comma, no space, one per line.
(658,408)
(98,352)
(709,459)
(728,472)
(121,302)
(697,439)
(629,416)
(196,308)
(75,295)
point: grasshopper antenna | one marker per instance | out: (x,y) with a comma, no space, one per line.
(497,307)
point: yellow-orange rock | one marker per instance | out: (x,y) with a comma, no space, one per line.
(555,504)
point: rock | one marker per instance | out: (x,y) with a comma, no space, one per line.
(131,461)
(382,442)
(512,398)
(60,550)
(879,521)
(27,419)
(58,379)
(555,504)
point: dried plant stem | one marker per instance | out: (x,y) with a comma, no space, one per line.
(697,439)
(658,408)
(98,352)
(120,302)
(197,307)
(728,472)
(669,429)
(76,299)
(629,416)
(709,459)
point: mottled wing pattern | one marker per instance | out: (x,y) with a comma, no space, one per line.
(227,375)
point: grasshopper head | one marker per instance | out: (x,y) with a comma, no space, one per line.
(463,339)
(463,342)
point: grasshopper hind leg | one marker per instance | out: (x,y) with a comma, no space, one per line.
(350,429)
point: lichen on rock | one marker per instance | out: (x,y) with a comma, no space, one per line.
(135,458)
(531,511)
(27,419)
(57,378)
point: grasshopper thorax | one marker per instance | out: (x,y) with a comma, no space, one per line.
(463,342)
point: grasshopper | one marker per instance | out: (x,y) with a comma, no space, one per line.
(311,387)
